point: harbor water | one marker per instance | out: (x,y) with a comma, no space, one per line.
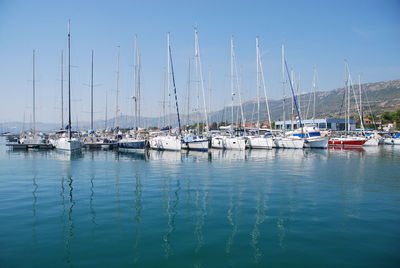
(303,208)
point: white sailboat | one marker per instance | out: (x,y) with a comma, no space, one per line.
(33,138)
(286,142)
(67,142)
(134,142)
(232,142)
(260,141)
(198,142)
(168,141)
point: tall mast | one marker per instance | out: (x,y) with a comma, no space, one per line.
(174,86)
(361,114)
(69,81)
(264,85)
(168,84)
(33,94)
(200,69)
(91,97)
(238,84)
(232,88)
(283,87)
(314,92)
(62,90)
(294,96)
(105,114)
(117,93)
(135,80)
(138,90)
(291,118)
(188,95)
(258,82)
(347,94)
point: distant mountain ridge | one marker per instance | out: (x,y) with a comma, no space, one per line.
(376,97)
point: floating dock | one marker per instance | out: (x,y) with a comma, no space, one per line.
(26,146)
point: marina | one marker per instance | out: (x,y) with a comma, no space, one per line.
(168,208)
(200,134)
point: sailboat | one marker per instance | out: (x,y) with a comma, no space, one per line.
(197,142)
(134,142)
(232,142)
(33,138)
(170,141)
(287,142)
(310,132)
(260,141)
(67,142)
(347,140)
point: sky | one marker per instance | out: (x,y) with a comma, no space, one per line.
(315,33)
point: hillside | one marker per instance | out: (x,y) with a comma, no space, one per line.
(377,97)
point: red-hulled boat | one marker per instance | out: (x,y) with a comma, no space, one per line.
(347,141)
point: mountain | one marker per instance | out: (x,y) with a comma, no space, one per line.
(376,97)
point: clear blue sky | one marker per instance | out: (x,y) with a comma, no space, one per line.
(321,33)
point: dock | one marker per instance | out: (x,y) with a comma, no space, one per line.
(26,146)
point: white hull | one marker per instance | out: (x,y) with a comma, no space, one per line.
(260,142)
(289,143)
(32,140)
(154,143)
(168,143)
(197,145)
(68,145)
(372,142)
(217,142)
(234,143)
(316,142)
(391,141)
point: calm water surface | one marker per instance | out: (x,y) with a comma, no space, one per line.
(224,208)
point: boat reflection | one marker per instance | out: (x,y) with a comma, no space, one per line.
(171,202)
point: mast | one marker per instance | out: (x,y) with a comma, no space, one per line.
(188,95)
(168,84)
(105,114)
(33,95)
(283,87)
(258,81)
(116,101)
(348,101)
(232,88)
(135,81)
(264,85)
(200,69)
(291,118)
(314,89)
(238,85)
(91,97)
(294,96)
(174,86)
(69,81)
(361,114)
(62,90)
